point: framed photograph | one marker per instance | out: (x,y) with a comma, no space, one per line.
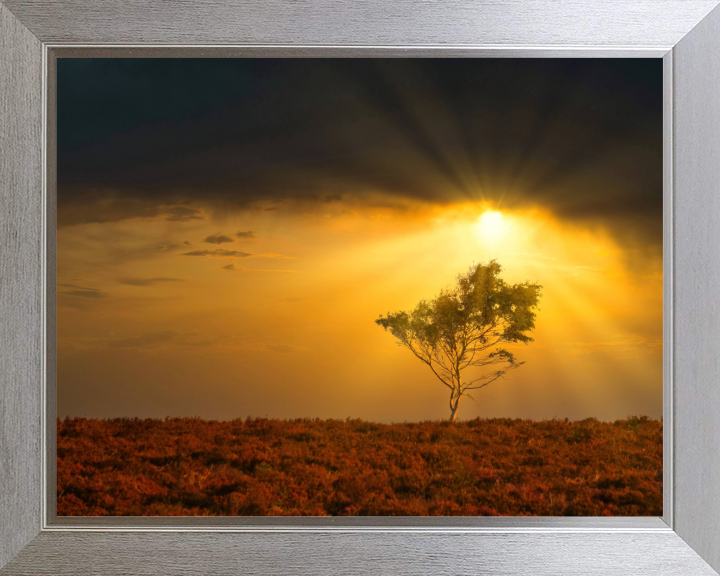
(427,289)
(229,243)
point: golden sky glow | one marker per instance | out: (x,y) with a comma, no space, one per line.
(269,311)
(229,230)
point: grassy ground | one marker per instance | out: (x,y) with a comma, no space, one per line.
(196,467)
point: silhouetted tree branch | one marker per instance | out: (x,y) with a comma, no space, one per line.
(463,325)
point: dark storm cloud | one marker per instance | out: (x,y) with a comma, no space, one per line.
(219,253)
(147,137)
(248,234)
(146,281)
(100,206)
(218,239)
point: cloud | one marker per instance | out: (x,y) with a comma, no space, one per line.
(218,253)
(223,253)
(233,267)
(579,137)
(83,292)
(86,293)
(118,253)
(198,343)
(99,206)
(144,341)
(169,246)
(248,234)
(332,198)
(272,255)
(182,214)
(146,281)
(218,239)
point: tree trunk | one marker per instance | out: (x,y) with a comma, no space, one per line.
(454,410)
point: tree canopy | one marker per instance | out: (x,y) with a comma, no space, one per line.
(465,325)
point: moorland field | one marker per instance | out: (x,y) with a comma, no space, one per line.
(259,466)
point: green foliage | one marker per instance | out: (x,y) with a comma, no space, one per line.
(464,326)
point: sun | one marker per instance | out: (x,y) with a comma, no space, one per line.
(492,226)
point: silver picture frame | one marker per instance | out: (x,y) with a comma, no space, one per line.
(684,33)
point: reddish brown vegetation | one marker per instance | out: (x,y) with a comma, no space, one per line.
(332,467)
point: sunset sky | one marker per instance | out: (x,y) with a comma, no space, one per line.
(229,230)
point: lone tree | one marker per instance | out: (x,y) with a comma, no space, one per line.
(460,328)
